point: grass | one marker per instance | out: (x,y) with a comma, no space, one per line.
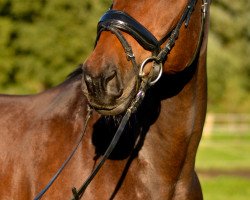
(225,188)
(223,164)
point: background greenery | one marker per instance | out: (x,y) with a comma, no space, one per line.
(223,165)
(42,41)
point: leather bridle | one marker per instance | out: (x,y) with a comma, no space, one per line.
(117,22)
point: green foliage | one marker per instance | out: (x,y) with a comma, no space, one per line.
(42,41)
(223,165)
(223,151)
(228,56)
(225,187)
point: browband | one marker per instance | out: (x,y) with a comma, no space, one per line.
(126,23)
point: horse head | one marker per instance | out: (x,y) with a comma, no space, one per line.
(130,33)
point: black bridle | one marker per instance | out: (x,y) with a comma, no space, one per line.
(117,22)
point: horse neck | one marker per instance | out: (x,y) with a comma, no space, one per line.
(183,106)
(177,108)
(55,113)
(64,107)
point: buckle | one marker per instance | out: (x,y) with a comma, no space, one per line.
(155,74)
(204,8)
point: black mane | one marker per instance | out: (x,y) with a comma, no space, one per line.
(76,72)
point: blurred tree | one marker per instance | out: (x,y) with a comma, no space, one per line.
(42,41)
(228,57)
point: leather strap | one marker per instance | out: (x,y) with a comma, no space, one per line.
(128,24)
(52,180)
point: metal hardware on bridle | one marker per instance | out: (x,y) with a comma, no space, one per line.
(204,8)
(156,71)
(52,180)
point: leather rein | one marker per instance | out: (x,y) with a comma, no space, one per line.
(117,22)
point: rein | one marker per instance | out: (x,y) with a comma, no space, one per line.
(52,180)
(134,105)
(79,193)
(115,22)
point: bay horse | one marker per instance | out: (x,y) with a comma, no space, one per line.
(165,43)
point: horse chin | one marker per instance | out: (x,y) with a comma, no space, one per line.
(110,105)
(116,110)
(117,106)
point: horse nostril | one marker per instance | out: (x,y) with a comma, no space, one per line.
(110,77)
(113,84)
(107,84)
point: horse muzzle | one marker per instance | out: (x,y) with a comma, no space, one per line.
(106,92)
